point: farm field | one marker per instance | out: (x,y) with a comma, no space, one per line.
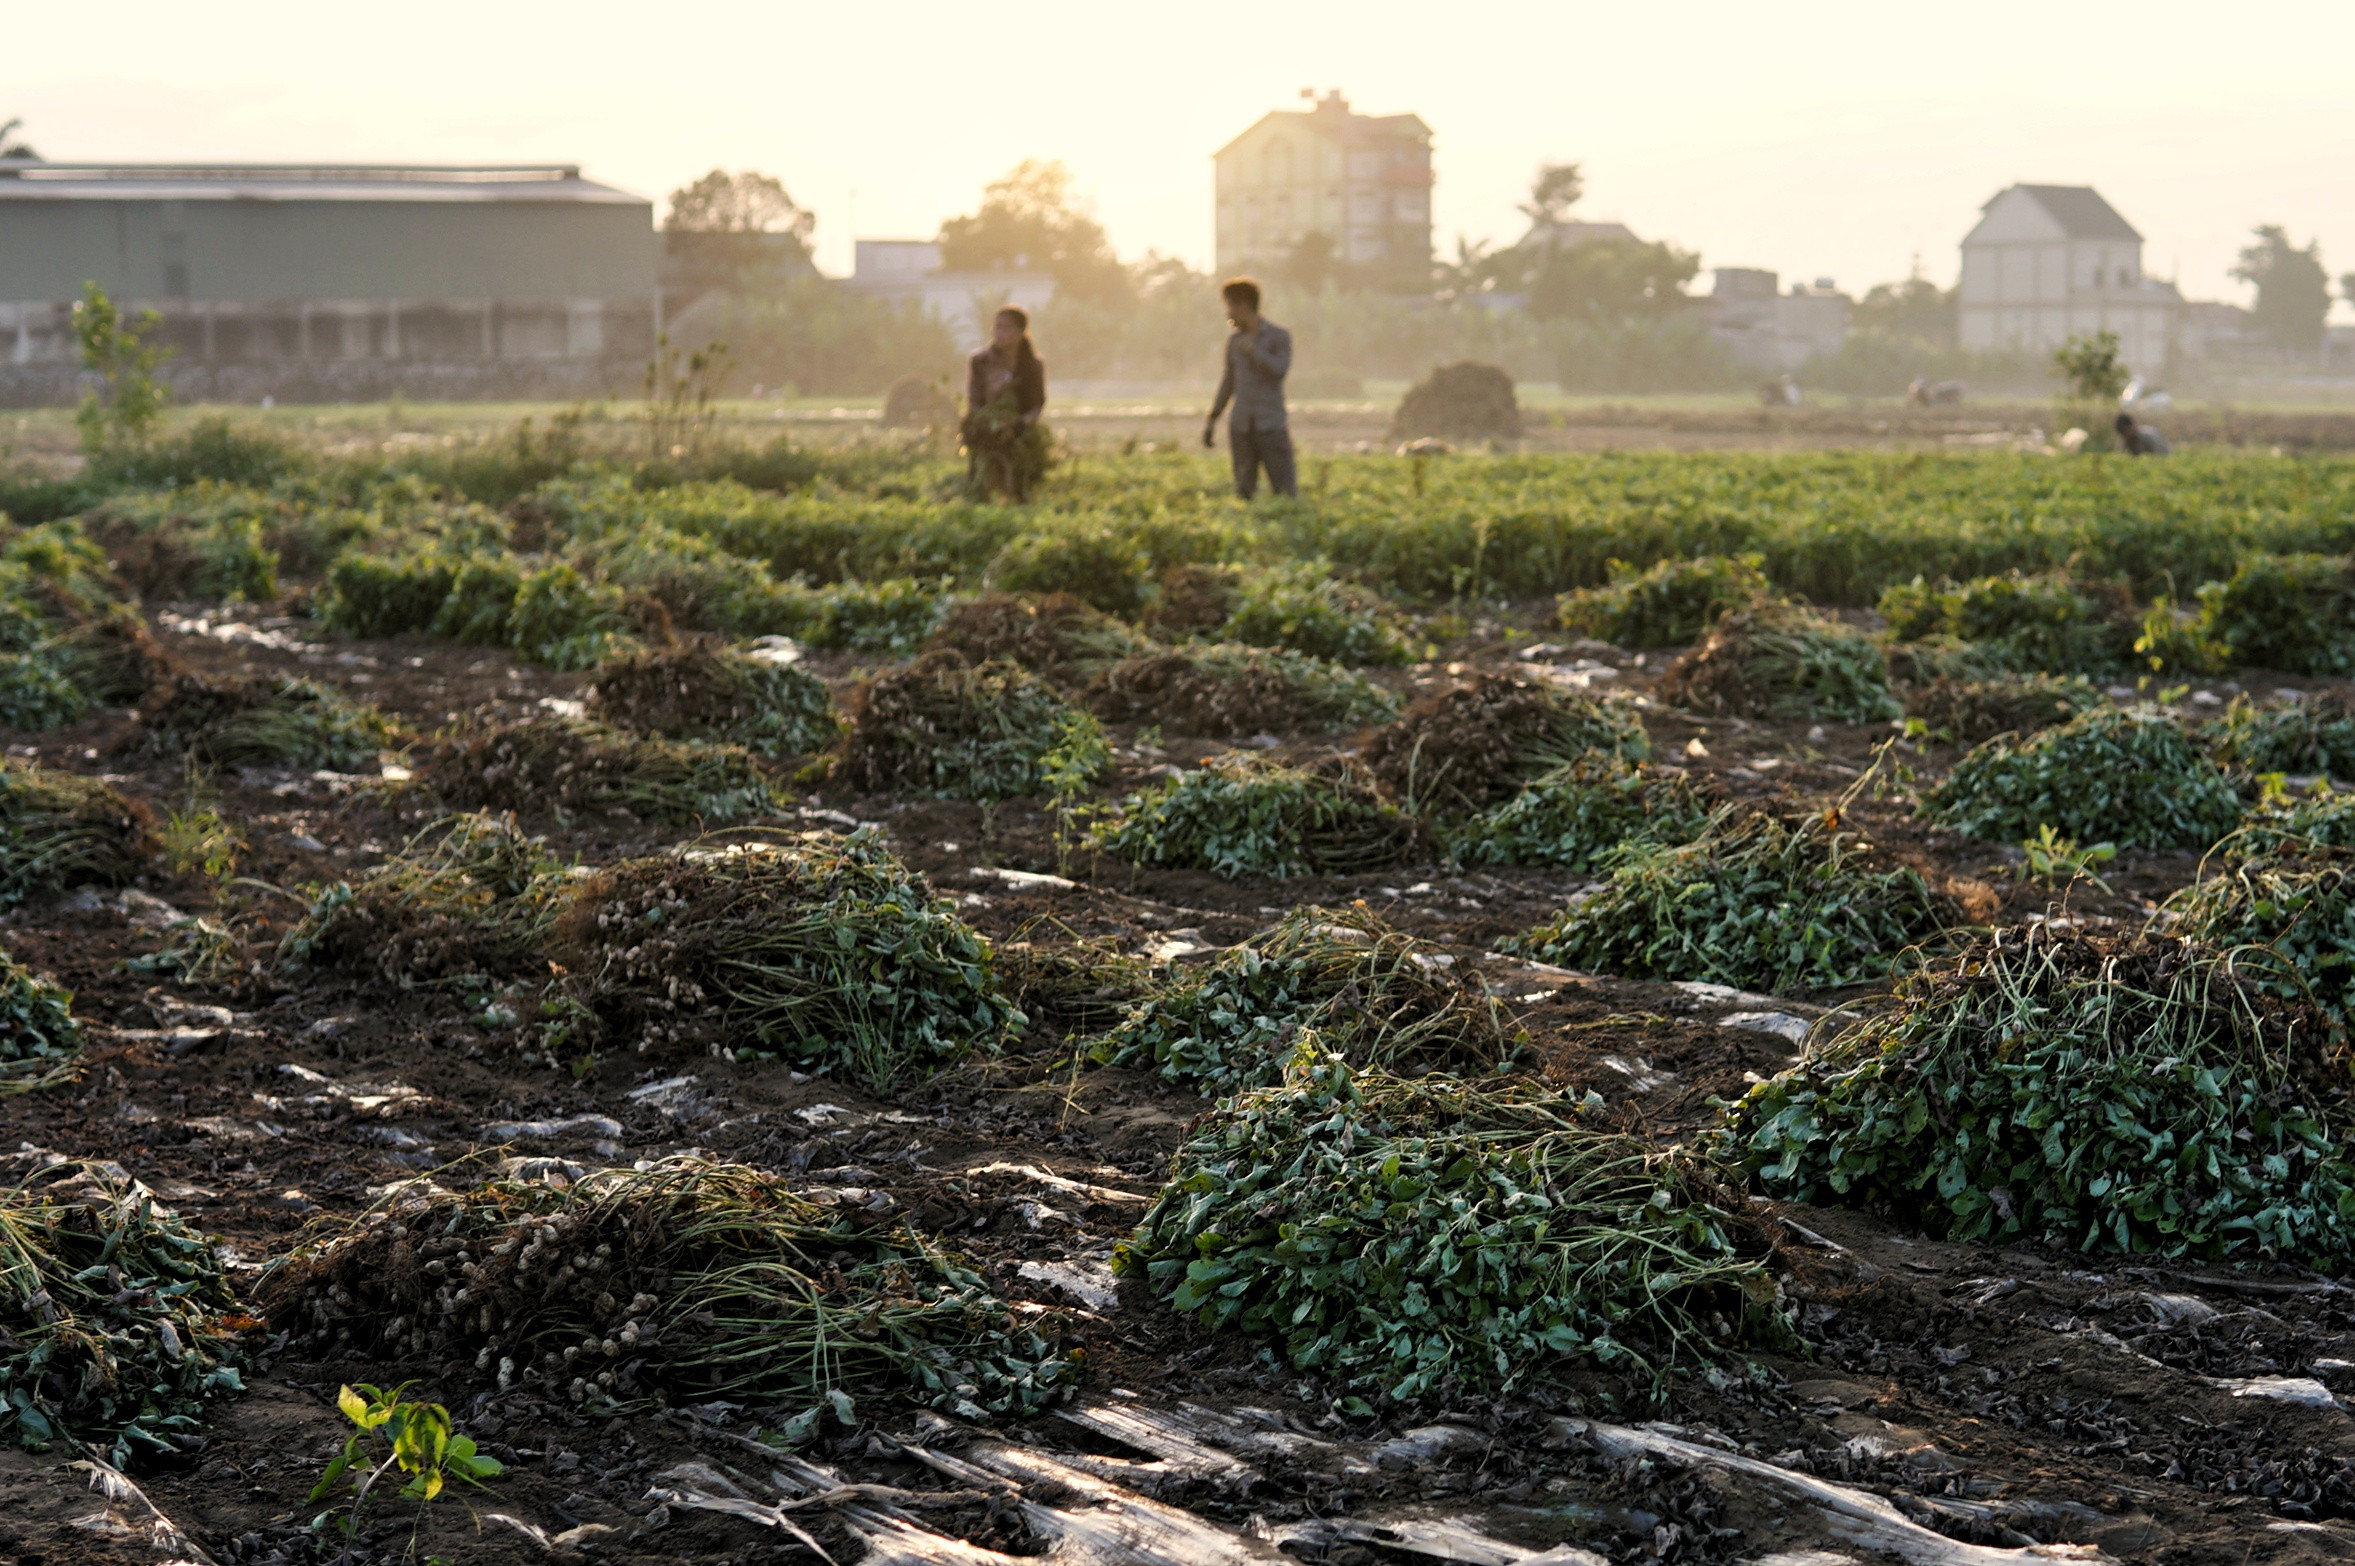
(1644,1006)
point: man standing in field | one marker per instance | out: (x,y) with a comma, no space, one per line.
(1259,353)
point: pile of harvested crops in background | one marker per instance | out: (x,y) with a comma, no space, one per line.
(39,1038)
(1418,1236)
(263,720)
(2124,1096)
(824,951)
(1785,663)
(1967,711)
(1667,604)
(1753,901)
(61,829)
(2051,623)
(944,727)
(1308,611)
(569,767)
(2280,894)
(670,1284)
(2123,775)
(1575,815)
(2316,735)
(467,899)
(1076,985)
(702,692)
(1058,635)
(1364,991)
(1217,691)
(117,1325)
(1475,744)
(1244,815)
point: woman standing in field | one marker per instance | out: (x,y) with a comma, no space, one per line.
(1005,392)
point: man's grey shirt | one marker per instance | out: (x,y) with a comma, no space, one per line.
(1256,365)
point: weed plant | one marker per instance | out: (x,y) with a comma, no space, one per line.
(1305,609)
(263,720)
(2045,623)
(1363,990)
(824,951)
(117,1325)
(678,1282)
(2292,612)
(1574,816)
(1475,744)
(2316,735)
(1434,1236)
(943,727)
(2130,1097)
(1666,604)
(1238,815)
(1217,691)
(571,767)
(2126,775)
(1969,711)
(1784,663)
(700,692)
(60,830)
(467,900)
(1753,902)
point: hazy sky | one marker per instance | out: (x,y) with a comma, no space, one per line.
(1828,139)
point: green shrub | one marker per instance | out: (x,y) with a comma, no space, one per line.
(828,952)
(36,694)
(1753,902)
(944,727)
(2315,735)
(1241,815)
(1215,691)
(2049,622)
(706,693)
(2131,1097)
(61,829)
(2123,775)
(563,620)
(1474,744)
(370,596)
(1094,564)
(1666,604)
(480,608)
(2295,613)
(1308,611)
(1968,711)
(568,767)
(889,616)
(1360,988)
(1573,816)
(263,720)
(1414,1237)
(2177,642)
(233,561)
(1784,663)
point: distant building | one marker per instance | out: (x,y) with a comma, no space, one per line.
(1769,330)
(331,282)
(1360,181)
(908,271)
(2049,262)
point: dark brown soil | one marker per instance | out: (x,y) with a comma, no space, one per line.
(1995,1394)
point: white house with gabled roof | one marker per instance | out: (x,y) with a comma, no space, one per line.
(2049,262)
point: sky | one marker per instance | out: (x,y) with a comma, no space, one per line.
(1835,139)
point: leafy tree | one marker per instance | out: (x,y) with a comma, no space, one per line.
(1915,310)
(124,409)
(1609,279)
(1031,221)
(2090,369)
(1554,192)
(2293,290)
(725,228)
(11,146)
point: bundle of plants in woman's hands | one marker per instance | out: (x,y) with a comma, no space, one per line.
(1666,604)
(117,1324)
(2126,775)
(1365,991)
(1785,663)
(1474,744)
(1575,815)
(2141,1095)
(1752,901)
(1243,815)
(1431,1235)
(676,1282)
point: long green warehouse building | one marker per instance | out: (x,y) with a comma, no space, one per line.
(332,283)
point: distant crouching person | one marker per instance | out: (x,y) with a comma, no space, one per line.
(1259,355)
